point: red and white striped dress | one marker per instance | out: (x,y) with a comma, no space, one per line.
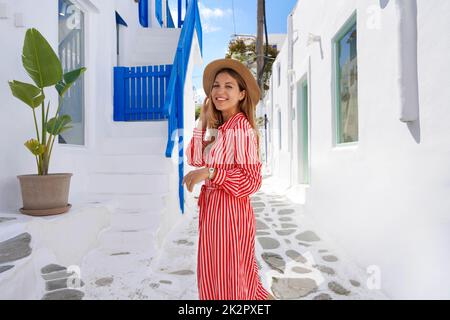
(227,268)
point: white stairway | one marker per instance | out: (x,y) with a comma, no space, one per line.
(131,169)
(131,174)
(148,46)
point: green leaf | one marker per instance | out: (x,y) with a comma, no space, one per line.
(72,76)
(35,147)
(69,79)
(40,61)
(65,129)
(26,92)
(58,125)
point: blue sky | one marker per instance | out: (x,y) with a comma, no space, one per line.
(218,26)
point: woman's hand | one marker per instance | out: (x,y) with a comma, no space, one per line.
(194,177)
(203,115)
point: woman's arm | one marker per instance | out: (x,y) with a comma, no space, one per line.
(196,147)
(245,178)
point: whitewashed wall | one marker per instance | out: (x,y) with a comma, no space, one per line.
(100,57)
(281,160)
(385,200)
(16,119)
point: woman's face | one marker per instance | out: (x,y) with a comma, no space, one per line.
(225,92)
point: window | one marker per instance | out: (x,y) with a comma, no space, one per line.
(279,73)
(279,128)
(71,53)
(347,83)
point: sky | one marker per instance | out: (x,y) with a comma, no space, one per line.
(218,27)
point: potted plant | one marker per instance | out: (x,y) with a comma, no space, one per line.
(44,193)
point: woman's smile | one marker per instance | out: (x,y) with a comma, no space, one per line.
(226,93)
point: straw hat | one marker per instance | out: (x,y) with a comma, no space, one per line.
(212,68)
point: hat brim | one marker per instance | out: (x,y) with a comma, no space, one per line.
(215,66)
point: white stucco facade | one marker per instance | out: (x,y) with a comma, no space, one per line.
(384,198)
(103,136)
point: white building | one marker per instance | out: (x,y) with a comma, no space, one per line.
(358,132)
(127,163)
(276,40)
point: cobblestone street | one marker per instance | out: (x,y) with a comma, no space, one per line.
(296,260)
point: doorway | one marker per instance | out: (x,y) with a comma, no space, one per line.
(303,131)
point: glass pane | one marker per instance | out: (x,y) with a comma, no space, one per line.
(279,129)
(279,74)
(71,53)
(348,87)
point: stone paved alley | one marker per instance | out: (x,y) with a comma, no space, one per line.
(296,260)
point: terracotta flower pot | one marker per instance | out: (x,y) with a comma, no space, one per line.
(45,195)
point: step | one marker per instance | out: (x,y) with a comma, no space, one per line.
(155,45)
(146,164)
(141,220)
(138,129)
(131,202)
(61,239)
(134,145)
(129,183)
(127,242)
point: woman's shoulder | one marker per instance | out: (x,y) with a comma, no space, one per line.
(242,122)
(243,128)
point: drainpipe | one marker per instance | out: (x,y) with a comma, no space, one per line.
(290,88)
(406,12)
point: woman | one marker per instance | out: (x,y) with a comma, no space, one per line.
(231,170)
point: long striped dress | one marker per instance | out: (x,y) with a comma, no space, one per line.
(226,264)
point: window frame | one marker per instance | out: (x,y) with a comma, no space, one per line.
(343,30)
(280,140)
(86,8)
(279,73)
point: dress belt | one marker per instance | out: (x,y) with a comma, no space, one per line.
(202,196)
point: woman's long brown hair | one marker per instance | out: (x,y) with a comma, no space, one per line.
(214,118)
